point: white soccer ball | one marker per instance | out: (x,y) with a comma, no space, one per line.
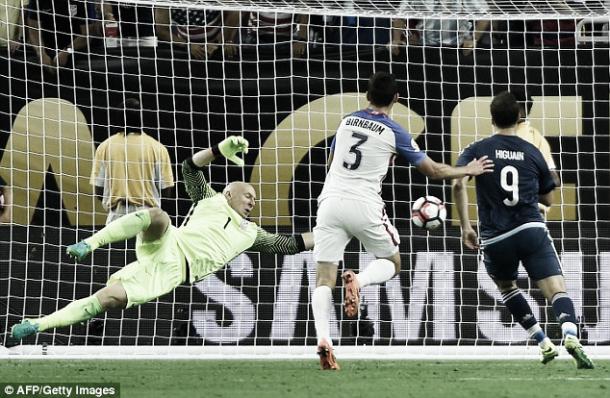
(428,212)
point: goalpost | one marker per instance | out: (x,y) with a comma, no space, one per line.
(288,104)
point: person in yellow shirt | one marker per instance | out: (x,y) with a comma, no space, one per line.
(11,24)
(131,170)
(534,137)
(216,230)
(6,201)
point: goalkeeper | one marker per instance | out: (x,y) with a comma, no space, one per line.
(215,231)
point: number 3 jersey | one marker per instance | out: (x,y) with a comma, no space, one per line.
(363,148)
(508,197)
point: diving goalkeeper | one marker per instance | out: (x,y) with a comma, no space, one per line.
(215,231)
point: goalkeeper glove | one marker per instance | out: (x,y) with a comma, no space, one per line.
(232,145)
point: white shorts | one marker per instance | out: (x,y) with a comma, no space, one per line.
(339,220)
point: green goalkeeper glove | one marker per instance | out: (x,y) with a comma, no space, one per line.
(232,145)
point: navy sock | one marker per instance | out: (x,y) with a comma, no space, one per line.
(519,308)
(563,308)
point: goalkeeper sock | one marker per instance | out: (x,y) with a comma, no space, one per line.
(76,311)
(565,313)
(321,302)
(378,271)
(123,228)
(520,309)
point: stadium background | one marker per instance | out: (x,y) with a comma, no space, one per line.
(253,96)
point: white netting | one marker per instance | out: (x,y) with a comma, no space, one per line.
(494,9)
(285,88)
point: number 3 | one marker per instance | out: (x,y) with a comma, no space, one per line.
(354,149)
(513,187)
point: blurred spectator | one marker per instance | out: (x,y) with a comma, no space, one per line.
(6,202)
(277,28)
(403,34)
(551,32)
(59,28)
(456,33)
(202,31)
(365,30)
(507,34)
(134,21)
(529,133)
(11,24)
(131,170)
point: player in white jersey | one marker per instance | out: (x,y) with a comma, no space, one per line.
(350,204)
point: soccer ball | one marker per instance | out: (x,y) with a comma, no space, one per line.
(428,212)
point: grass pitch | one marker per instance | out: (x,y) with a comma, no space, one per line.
(365,378)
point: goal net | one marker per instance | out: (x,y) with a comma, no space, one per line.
(283,74)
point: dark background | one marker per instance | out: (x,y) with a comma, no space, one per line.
(189,105)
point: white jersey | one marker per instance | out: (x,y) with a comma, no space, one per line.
(363,149)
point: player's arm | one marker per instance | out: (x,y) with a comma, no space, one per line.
(548,181)
(331,156)
(281,244)
(192,169)
(460,197)
(6,203)
(196,185)
(441,171)
(408,149)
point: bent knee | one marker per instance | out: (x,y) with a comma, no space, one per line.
(505,286)
(110,302)
(158,217)
(112,298)
(159,221)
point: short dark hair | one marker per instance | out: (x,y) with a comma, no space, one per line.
(524,99)
(382,89)
(131,114)
(504,110)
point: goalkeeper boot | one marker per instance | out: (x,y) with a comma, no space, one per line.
(23,329)
(327,357)
(351,303)
(574,348)
(549,352)
(79,250)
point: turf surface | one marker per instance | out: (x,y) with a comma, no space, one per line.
(246,379)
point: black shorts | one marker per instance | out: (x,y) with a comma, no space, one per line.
(532,246)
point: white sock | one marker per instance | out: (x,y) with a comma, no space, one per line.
(321,301)
(569,329)
(378,271)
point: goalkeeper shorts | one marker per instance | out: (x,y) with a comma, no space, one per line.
(160,268)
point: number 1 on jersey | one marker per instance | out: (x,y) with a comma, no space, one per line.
(354,149)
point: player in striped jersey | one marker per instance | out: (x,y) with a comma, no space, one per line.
(215,231)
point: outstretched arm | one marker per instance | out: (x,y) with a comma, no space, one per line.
(194,179)
(281,244)
(469,236)
(441,171)
(192,169)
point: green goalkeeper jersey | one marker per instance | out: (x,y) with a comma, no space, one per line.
(213,233)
